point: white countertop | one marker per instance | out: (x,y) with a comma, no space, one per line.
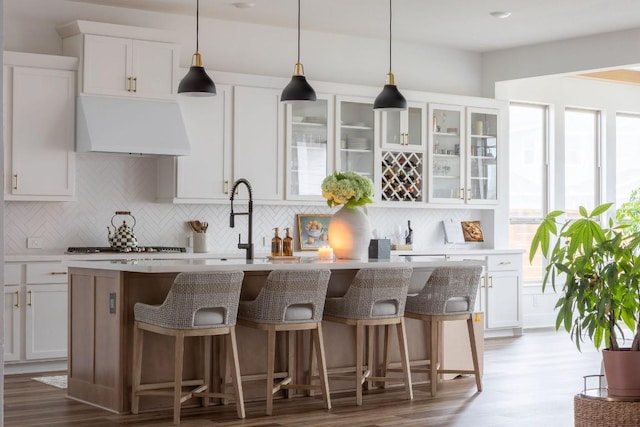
(258,264)
(59,255)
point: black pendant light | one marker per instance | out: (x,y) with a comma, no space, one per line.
(197,82)
(390,99)
(298,90)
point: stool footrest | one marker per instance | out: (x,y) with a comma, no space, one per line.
(301,386)
(456,371)
(385,379)
(170,384)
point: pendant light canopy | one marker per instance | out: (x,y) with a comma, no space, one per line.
(298,89)
(197,82)
(390,99)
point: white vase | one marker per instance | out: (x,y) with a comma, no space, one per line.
(350,233)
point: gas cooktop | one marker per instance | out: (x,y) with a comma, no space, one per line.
(137,249)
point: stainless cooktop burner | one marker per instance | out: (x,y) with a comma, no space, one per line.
(138,249)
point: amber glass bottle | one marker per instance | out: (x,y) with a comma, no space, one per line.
(276,244)
(287,243)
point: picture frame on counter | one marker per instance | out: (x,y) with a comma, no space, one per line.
(313,231)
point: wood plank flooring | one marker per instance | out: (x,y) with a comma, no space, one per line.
(528,381)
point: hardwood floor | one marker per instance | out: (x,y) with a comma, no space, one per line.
(528,381)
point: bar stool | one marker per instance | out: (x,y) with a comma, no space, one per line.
(375,297)
(291,300)
(198,305)
(449,294)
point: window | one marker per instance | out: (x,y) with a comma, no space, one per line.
(527,180)
(627,155)
(582,160)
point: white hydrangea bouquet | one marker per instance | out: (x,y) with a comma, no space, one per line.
(347,188)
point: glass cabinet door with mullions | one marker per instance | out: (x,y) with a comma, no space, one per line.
(482,181)
(309,148)
(355,136)
(446,154)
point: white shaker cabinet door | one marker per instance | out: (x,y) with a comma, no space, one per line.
(46,321)
(41,135)
(258,140)
(107,65)
(12,323)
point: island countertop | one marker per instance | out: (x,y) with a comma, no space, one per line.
(258,264)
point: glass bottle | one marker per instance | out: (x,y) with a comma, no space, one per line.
(276,244)
(287,243)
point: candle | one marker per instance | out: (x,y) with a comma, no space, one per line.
(325,253)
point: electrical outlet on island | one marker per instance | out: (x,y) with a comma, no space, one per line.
(34,242)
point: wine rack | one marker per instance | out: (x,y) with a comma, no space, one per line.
(402,176)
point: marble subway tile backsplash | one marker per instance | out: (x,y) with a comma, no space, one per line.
(107,183)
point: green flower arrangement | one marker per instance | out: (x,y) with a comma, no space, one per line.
(347,188)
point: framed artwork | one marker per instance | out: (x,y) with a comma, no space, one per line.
(312,231)
(472,231)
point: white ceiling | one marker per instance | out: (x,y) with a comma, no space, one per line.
(460,24)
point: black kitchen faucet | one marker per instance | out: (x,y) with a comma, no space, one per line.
(248,247)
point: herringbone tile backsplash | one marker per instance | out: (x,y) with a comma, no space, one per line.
(107,183)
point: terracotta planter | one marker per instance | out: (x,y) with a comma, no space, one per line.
(622,369)
(350,233)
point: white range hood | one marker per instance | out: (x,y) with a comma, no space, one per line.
(130,126)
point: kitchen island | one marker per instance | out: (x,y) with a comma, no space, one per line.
(101,299)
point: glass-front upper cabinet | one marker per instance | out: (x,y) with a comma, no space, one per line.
(482,164)
(404,129)
(355,135)
(446,154)
(309,147)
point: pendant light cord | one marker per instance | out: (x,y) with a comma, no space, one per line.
(390,17)
(298,30)
(197,24)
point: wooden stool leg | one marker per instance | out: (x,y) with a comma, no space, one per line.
(370,330)
(359,360)
(434,356)
(313,367)
(404,355)
(271,360)
(177,377)
(474,352)
(291,360)
(206,342)
(138,337)
(232,349)
(226,363)
(322,365)
(385,357)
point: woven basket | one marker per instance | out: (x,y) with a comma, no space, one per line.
(595,412)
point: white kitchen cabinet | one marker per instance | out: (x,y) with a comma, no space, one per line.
(355,136)
(406,128)
(122,61)
(309,142)
(499,291)
(36,312)
(463,150)
(204,176)
(39,102)
(258,140)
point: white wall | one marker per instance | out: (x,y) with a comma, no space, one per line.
(258,49)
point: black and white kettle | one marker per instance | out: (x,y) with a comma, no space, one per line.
(122,236)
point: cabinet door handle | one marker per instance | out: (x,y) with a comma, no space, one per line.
(58,272)
(128,84)
(30,298)
(226,187)
(483,282)
(504,263)
(135,84)
(17,304)
(462,194)
(15,181)
(468,194)
(490,281)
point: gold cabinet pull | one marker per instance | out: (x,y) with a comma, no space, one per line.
(135,84)
(15,181)
(226,187)
(57,273)
(483,282)
(30,298)
(128,84)
(491,281)
(17,304)
(504,263)
(462,194)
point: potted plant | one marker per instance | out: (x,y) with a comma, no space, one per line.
(597,270)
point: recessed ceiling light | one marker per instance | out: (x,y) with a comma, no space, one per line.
(243,4)
(500,14)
